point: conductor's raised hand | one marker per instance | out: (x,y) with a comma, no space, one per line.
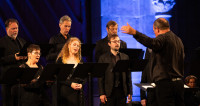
(128,29)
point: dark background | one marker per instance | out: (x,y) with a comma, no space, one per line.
(38,21)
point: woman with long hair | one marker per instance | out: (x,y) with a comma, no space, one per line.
(70,90)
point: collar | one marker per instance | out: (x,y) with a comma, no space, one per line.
(11,38)
(68,36)
(110,53)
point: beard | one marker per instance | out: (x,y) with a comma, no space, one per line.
(14,36)
(116,49)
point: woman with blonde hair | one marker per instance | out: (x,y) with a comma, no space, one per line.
(70,90)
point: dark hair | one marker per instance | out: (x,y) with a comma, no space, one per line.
(111,23)
(32,47)
(187,79)
(112,36)
(161,23)
(9,21)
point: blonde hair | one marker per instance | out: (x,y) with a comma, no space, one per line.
(64,53)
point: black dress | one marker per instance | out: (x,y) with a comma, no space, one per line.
(33,94)
(69,96)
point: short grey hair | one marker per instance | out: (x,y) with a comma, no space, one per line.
(65,18)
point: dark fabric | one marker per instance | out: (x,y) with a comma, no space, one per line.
(166,62)
(117,75)
(67,96)
(150,96)
(106,83)
(170,93)
(33,94)
(10,48)
(167,59)
(103,47)
(117,98)
(58,41)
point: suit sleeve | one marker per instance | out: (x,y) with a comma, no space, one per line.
(7,59)
(101,80)
(129,83)
(153,43)
(98,51)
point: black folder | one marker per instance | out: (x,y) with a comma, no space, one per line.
(19,75)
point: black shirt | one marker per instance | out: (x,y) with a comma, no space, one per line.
(58,41)
(167,57)
(117,75)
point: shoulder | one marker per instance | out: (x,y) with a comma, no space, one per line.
(21,39)
(24,65)
(59,60)
(54,37)
(40,66)
(125,56)
(101,41)
(4,41)
(103,56)
(3,38)
(123,42)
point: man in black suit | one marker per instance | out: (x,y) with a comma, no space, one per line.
(114,86)
(11,45)
(59,40)
(102,45)
(166,63)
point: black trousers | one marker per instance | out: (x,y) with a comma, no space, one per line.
(170,93)
(151,97)
(6,94)
(117,98)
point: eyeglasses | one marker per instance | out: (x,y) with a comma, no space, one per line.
(112,29)
(116,41)
(37,53)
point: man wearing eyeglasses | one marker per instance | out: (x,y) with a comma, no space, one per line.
(114,87)
(102,45)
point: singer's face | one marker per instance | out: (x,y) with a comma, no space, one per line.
(192,83)
(65,27)
(112,30)
(74,47)
(114,43)
(12,30)
(34,56)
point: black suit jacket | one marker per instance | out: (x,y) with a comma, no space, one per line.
(167,59)
(10,48)
(106,83)
(102,47)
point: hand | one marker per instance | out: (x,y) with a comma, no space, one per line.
(128,30)
(23,85)
(143,102)
(33,81)
(76,86)
(20,57)
(103,99)
(129,98)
